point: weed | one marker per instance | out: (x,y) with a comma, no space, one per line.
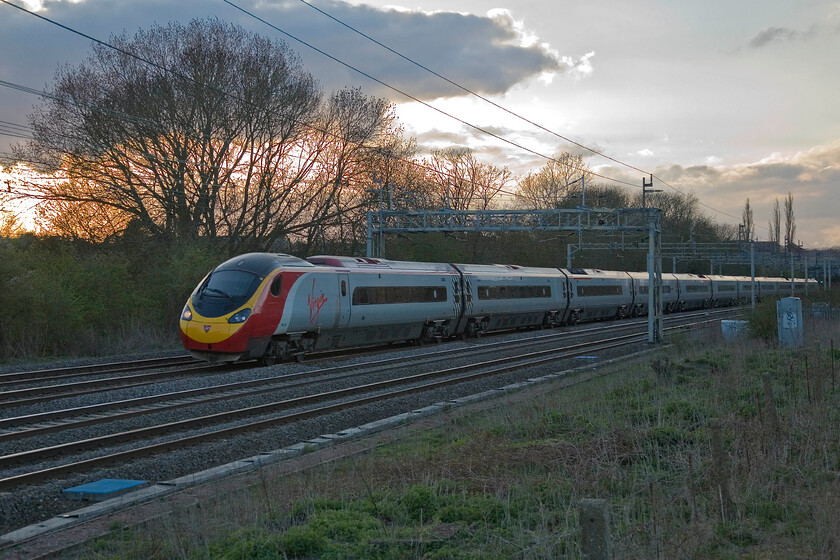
(506,483)
(420,502)
(302,542)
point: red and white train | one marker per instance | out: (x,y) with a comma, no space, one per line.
(273,307)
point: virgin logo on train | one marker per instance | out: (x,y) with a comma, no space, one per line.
(315,303)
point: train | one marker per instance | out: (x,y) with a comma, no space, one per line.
(275,307)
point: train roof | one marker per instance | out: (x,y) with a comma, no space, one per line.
(507,269)
(582,273)
(367,263)
(261,263)
(646,275)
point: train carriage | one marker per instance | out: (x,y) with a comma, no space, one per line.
(509,296)
(641,281)
(386,301)
(596,294)
(766,287)
(724,291)
(235,311)
(695,291)
(747,288)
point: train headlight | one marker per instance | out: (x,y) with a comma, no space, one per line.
(240,316)
(186,315)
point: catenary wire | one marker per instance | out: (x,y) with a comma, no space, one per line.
(152,63)
(501,191)
(501,107)
(416,99)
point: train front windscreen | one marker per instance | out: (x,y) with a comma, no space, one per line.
(224,291)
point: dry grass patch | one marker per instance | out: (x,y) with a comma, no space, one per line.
(506,483)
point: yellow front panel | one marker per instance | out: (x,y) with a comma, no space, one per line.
(209,331)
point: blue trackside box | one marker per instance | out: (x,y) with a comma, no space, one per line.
(102,489)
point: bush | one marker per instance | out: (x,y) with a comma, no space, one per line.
(420,503)
(302,542)
(72,299)
(762,320)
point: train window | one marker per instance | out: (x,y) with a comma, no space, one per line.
(343,288)
(696,289)
(591,291)
(666,289)
(514,292)
(383,295)
(276,286)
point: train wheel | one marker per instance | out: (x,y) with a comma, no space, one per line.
(270,357)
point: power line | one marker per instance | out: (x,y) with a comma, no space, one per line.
(151,63)
(471,92)
(164,69)
(414,98)
(493,103)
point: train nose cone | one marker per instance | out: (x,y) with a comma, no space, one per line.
(208,331)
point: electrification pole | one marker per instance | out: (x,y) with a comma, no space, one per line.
(647,187)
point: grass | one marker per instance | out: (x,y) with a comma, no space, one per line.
(507,482)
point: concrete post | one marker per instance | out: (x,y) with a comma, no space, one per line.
(595,542)
(789,319)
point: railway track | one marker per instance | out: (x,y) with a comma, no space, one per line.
(196,429)
(15,397)
(12,428)
(30,376)
(49,422)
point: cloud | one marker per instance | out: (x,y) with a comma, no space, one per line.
(773,34)
(780,35)
(488,54)
(811,176)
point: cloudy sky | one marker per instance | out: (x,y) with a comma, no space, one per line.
(727,99)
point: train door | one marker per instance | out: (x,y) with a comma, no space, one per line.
(344,299)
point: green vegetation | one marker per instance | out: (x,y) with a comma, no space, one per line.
(506,482)
(61,298)
(73,298)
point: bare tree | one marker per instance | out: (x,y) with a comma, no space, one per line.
(683,218)
(216,133)
(790,222)
(555,184)
(464,183)
(776,224)
(747,221)
(353,130)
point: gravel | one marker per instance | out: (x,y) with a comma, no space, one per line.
(34,503)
